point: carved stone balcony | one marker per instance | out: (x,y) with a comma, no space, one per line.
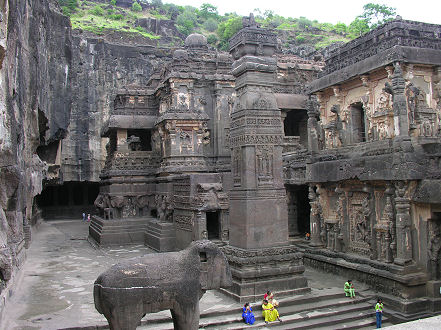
(292,144)
(132,163)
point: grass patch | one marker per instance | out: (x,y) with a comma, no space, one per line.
(94,19)
(325,42)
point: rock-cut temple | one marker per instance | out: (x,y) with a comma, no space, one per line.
(253,149)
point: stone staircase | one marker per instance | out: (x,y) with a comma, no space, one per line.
(321,309)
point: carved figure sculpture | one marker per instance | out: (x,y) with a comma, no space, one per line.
(154,282)
(433,251)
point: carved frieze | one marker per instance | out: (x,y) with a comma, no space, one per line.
(184,222)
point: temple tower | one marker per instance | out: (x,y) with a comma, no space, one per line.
(259,253)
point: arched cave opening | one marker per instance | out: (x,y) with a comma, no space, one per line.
(69,200)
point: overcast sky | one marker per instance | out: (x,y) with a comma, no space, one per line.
(329,11)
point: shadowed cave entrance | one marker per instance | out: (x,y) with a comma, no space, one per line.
(298,210)
(213,225)
(68,200)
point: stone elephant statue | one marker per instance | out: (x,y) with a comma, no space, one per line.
(154,282)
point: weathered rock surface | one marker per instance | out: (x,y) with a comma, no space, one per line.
(35,102)
(56,91)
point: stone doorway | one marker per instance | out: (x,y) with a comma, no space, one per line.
(358,123)
(298,210)
(213,225)
(296,124)
(68,200)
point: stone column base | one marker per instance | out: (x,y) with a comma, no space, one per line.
(160,236)
(254,272)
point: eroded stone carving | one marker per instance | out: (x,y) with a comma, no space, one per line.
(154,282)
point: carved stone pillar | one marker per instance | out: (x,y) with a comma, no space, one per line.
(403,221)
(259,253)
(313,134)
(401,119)
(314,218)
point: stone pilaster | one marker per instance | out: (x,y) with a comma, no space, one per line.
(258,208)
(312,108)
(401,119)
(403,222)
(314,218)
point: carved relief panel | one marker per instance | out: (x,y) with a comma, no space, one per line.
(359,225)
(264,164)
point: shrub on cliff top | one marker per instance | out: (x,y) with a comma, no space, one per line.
(136,6)
(97,11)
(68,6)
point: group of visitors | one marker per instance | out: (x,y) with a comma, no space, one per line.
(350,292)
(270,313)
(86,219)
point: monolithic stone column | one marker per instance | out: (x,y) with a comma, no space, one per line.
(259,253)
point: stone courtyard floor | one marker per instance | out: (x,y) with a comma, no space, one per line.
(56,281)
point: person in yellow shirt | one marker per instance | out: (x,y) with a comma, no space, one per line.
(269,313)
(379,312)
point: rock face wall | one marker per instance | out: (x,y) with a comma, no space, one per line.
(35,97)
(56,89)
(101,70)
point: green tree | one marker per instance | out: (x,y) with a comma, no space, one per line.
(227,29)
(303,23)
(212,39)
(358,27)
(68,6)
(376,14)
(136,6)
(210,24)
(340,28)
(173,10)
(156,4)
(207,11)
(113,2)
(186,22)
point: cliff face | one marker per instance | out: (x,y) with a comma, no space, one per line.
(56,89)
(35,102)
(100,69)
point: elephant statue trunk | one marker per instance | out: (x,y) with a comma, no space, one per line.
(154,282)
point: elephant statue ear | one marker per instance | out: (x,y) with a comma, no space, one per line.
(214,269)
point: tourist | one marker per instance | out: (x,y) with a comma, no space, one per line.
(308,236)
(349,289)
(269,313)
(379,312)
(247,314)
(270,297)
(84,216)
(273,300)
(88,217)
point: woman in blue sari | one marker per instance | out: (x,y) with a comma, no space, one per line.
(247,314)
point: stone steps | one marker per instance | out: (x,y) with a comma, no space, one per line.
(326,309)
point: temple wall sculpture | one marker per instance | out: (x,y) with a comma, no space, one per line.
(374,187)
